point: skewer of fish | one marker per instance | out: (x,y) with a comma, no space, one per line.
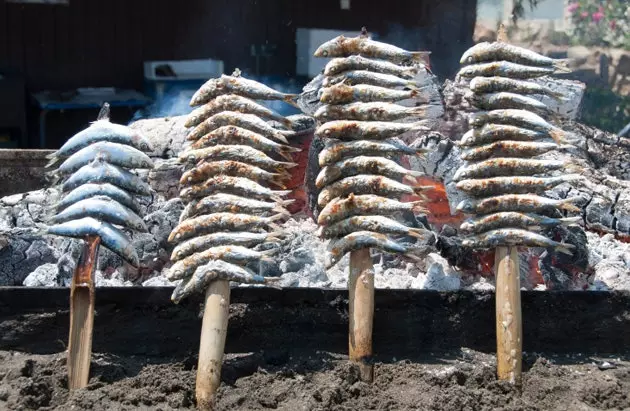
(236,167)
(361,181)
(98,202)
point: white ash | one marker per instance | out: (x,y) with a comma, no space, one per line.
(610,259)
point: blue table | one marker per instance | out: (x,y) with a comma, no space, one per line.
(48,101)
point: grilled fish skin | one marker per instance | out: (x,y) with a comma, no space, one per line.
(369,77)
(240,86)
(367,204)
(111,237)
(515,237)
(511,219)
(206,169)
(207,224)
(341,64)
(233,102)
(367,130)
(90,190)
(526,203)
(336,151)
(104,209)
(343,94)
(241,153)
(98,171)
(496,167)
(342,46)
(505,69)
(507,148)
(498,84)
(377,224)
(513,185)
(246,121)
(490,133)
(101,130)
(363,165)
(114,153)
(375,111)
(366,184)
(223,203)
(506,100)
(489,52)
(240,186)
(236,238)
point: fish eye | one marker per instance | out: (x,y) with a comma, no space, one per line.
(470,59)
(325,53)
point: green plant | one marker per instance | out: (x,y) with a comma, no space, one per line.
(604,109)
(600,23)
(518,8)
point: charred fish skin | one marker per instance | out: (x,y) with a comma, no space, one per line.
(236,238)
(496,167)
(104,209)
(90,190)
(362,165)
(368,77)
(240,186)
(111,237)
(519,118)
(233,118)
(374,111)
(505,100)
(511,219)
(223,203)
(233,102)
(527,203)
(241,153)
(491,52)
(378,224)
(491,133)
(508,148)
(482,85)
(367,204)
(366,184)
(337,151)
(505,69)
(513,184)
(342,46)
(205,170)
(207,224)
(369,130)
(113,153)
(342,94)
(99,171)
(360,240)
(341,64)
(514,237)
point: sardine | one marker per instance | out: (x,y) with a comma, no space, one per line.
(497,84)
(368,130)
(240,86)
(207,224)
(233,102)
(495,167)
(520,118)
(376,111)
(341,64)
(525,203)
(342,94)
(246,121)
(489,133)
(113,153)
(224,203)
(506,100)
(505,69)
(377,224)
(513,185)
(201,243)
(342,46)
(338,150)
(363,165)
(515,237)
(352,78)
(215,270)
(229,253)
(90,190)
(98,171)
(366,184)
(507,148)
(369,204)
(490,52)
(206,169)
(358,240)
(101,130)
(511,219)
(240,153)
(240,136)
(111,237)
(240,186)
(102,208)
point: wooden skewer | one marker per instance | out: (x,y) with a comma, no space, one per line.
(82,315)
(508,315)
(212,344)
(361,290)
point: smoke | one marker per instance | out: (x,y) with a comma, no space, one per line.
(406,38)
(174,102)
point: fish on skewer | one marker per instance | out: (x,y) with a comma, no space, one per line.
(240,186)
(341,64)
(363,165)
(496,167)
(342,46)
(513,184)
(113,153)
(205,170)
(375,111)
(229,203)
(246,121)
(233,238)
(512,219)
(491,133)
(336,151)
(506,100)
(508,148)
(99,171)
(90,190)
(368,130)
(104,209)
(505,237)
(235,152)
(343,94)
(368,204)
(480,85)
(505,69)
(526,203)
(207,224)
(352,78)
(498,50)
(377,224)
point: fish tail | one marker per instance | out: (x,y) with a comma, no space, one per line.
(556,95)
(423,125)
(281,210)
(288,165)
(567,205)
(290,99)
(278,216)
(286,155)
(565,248)
(574,168)
(421,56)
(285,203)
(417,232)
(270,252)
(559,136)
(53,177)
(419,207)
(281,137)
(410,179)
(562,65)
(274,227)
(290,149)
(426,111)
(570,220)
(53,159)
(275,236)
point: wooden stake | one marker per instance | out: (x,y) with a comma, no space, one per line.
(361,290)
(508,315)
(212,344)
(82,315)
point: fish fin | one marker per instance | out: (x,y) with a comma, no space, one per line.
(559,136)
(409,178)
(277,217)
(562,65)
(418,232)
(274,227)
(426,111)
(52,160)
(281,137)
(104,113)
(290,99)
(574,168)
(291,149)
(571,220)
(418,207)
(281,210)
(421,56)
(534,228)
(285,203)
(565,248)
(288,165)
(285,155)
(567,205)
(269,252)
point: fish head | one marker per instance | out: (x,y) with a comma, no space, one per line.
(466,206)
(330,48)
(465,185)
(466,226)
(470,55)
(141,141)
(330,260)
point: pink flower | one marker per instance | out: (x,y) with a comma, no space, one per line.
(573,7)
(584,14)
(598,16)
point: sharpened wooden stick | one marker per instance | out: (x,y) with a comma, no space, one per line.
(361,290)
(508,315)
(82,316)
(212,344)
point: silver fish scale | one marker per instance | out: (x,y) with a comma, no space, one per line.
(504,211)
(360,174)
(229,209)
(99,188)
